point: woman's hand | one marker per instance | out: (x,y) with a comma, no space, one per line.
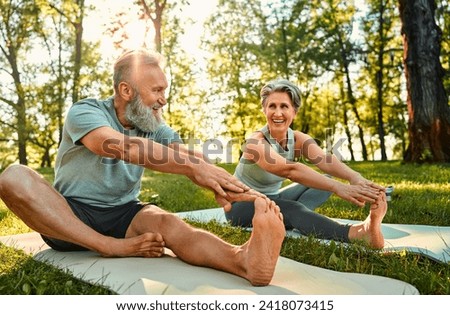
(358,194)
(365,183)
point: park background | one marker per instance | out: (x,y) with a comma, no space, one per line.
(374,77)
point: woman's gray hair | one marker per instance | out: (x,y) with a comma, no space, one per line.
(131,61)
(282,85)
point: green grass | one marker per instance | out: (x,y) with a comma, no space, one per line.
(421,196)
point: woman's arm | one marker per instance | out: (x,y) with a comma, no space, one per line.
(258,150)
(328,163)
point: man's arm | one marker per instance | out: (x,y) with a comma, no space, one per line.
(107,142)
(180,147)
(225,202)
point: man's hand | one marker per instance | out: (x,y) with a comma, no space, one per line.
(217,179)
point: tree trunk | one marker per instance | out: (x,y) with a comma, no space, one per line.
(349,135)
(429,114)
(78,25)
(346,127)
(20,107)
(22,134)
(379,81)
(77,64)
(46,160)
(350,97)
(156,17)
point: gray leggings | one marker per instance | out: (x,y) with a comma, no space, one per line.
(296,203)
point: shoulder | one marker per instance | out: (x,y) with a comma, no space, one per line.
(164,129)
(88,114)
(165,135)
(255,138)
(88,105)
(90,102)
(256,135)
(300,136)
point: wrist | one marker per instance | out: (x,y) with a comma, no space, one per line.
(355,177)
(335,186)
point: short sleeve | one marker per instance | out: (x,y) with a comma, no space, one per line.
(82,118)
(166,135)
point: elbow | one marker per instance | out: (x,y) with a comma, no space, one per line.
(290,172)
(111,148)
(129,151)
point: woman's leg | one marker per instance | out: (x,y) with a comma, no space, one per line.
(310,197)
(370,229)
(295,216)
(241,214)
(307,222)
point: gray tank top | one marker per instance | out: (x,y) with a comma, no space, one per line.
(255,177)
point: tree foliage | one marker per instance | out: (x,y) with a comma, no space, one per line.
(45,70)
(346,57)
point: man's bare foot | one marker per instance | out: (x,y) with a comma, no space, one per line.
(370,229)
(263,247)
(145,245)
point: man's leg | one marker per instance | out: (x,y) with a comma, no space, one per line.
(44,210)
(254,261)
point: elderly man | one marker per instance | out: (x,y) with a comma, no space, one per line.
(94,203)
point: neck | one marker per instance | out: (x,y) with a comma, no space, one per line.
(279,136)
(119,107)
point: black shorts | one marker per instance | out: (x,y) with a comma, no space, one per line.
(113,221)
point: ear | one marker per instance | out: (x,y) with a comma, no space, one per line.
(263,109)
(126,91)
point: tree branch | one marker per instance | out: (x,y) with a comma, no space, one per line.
(7,101)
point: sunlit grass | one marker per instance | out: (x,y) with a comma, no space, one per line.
(10,223)
(20,274)
(421,196)
(175,193)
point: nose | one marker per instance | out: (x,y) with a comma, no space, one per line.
(278,111)
(162,100)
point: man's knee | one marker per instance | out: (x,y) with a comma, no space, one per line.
(154,217)
(13,176)
(155,213)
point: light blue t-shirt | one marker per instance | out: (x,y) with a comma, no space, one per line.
(259,179)
(90,178)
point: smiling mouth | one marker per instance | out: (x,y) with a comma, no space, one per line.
(278,121)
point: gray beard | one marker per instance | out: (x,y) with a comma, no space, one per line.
(142,117)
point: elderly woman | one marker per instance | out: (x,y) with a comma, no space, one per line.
(268,159)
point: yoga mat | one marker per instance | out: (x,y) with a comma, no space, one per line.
(170,276)
(427,240)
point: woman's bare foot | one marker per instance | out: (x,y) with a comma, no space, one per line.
(144,245)
(263,248)
(370,229)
